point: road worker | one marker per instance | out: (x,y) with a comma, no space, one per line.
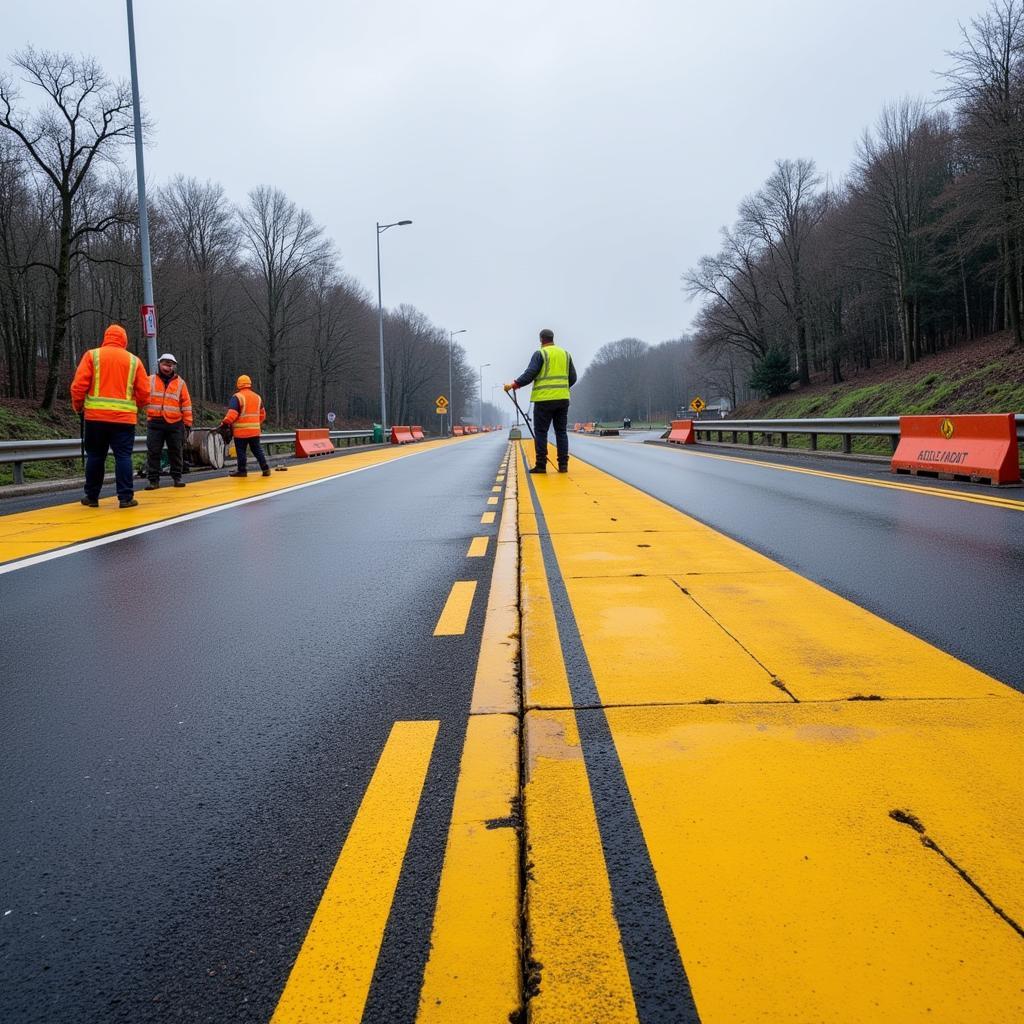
(168,416)
(244,416)
(552,374)
(110,386)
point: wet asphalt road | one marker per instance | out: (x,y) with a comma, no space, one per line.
(188,720)
(947,571)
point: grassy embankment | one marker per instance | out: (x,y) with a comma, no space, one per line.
(985,376)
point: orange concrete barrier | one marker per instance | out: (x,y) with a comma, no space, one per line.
(959,447)
(457,431)
(417,433)
(309,443)
(576,427)
(682,432)
(588,428)
(401,435)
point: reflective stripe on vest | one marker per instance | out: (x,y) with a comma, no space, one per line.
(552,383)
(126,404)
(167,399)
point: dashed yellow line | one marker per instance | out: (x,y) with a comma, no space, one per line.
(455,614)
(488,517)
(331,977)
(477,547)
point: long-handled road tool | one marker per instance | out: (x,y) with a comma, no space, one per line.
(529,425)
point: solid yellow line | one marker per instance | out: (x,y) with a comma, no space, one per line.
(473,973)
(477,547)
(455,613)
(331,976)
(488,517)
(974,499)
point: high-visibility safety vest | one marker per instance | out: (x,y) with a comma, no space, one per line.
(106,395)
(552,383)
(250,416)
(170,401)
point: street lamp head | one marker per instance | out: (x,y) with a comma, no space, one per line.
(402,223)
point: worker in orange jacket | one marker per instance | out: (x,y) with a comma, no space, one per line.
(244,416)
(168,416)
(110,385)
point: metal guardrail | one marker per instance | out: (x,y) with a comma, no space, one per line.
(847,429)
(17,453)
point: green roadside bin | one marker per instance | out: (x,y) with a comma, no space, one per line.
(378,434)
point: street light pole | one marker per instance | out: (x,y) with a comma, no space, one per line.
(451,390)
(381,228)
(480,422)
(140,177)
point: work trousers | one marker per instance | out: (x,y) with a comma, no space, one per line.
(544,415)
(100,438)
(241,443)
(158,433)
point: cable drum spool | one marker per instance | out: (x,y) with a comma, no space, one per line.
(206,447)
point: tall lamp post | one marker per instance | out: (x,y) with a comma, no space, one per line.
(148,311)
(381,228)
(480,422)
(451,390)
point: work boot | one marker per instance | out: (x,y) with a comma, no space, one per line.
(266,472)
(539,469)
(130,503)
(563,469)
(238,472)
(91,502)
(179,483)
(153,485)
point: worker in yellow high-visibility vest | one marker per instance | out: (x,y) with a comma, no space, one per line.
(552,374)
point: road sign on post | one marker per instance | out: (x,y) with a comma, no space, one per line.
(441,402)
(331,417)
(698,405)
(148,314)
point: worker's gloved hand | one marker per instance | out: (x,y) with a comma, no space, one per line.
(510,386)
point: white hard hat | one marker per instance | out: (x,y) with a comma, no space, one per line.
(168,358)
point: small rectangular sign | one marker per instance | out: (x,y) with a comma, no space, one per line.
(148,314)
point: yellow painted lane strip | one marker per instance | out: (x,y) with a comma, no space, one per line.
(935,492)
(45,529)
(473,973)
(331,977)
(572,928)
(477,547)
(492,501)
(488,517)
(496,686)
(495,490)
(792,892)
(455,614)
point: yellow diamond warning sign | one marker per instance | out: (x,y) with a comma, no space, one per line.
(946,430)
(441,402)
(698,405)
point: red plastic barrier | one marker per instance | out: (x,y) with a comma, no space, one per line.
(682,432)
(417,433)
(588,428)
(962,447)
(576,427)
(458,431)
(309,443)
(401,435)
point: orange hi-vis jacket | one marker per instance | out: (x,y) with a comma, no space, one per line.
(170,401)
(245,422)
(110,383)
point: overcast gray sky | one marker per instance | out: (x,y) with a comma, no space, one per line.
(564,161)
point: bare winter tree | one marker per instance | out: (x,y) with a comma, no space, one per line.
(783,214)
(285,247)
(83,117)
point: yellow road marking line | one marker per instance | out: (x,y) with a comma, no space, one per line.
(331,977)
(488,517)
(976,499)
(571,921)
(496,490)
(473,973)
(477,547)
(455,614)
